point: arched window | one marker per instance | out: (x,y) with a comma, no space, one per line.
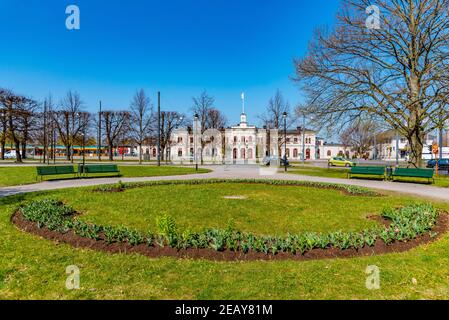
(329,153)
(288,153)
(235,139)
(234,153)
(308,154)
(250,139)
(295,153)
(243,153)
(179,152)
(250,153)
(154,152)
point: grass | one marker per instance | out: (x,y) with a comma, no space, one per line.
(441,181)
(16,175)
(34,268)
(266,210)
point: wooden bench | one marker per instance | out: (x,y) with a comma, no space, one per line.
(55,170)
(413,173)
(372,171)
(106,168)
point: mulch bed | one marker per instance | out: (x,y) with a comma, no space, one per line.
(156,252)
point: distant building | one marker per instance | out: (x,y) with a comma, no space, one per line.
(241,143)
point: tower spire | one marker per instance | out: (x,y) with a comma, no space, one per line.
(243,102)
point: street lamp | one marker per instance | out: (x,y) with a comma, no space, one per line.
(195,129)
(284,115)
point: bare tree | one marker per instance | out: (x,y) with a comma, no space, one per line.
(27,121)
(209,117)
(169,122)
(398,72)
(277,105)
(13,109)
(115,123)
(273,117)
(4,130)
(359,137)
(142,116)
(69,120)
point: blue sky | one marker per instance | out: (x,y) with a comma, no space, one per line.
(179,47)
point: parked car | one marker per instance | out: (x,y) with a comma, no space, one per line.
(443,164)
(269,160)
(10,155)
(341,162)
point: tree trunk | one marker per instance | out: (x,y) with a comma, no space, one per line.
(416,142)
(68,152)
(3,145)
(140,153)
(24,150)
(111,152)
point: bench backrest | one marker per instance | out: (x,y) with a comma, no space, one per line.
(414,172)
(368,170)
(54,170)
(101,168)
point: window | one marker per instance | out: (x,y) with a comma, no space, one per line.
(179,152)
(191,140)
(295,140)
(250,153)
(154,152)
(250,139)
(288,153)
(235,139)
(288,140)
(179,139)
(329,153)
(191,152)
(243,153)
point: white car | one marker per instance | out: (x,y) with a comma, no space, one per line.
(10,155)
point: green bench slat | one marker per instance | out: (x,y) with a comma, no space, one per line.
(55,170)
(413,172)
(377,171)
(101,169)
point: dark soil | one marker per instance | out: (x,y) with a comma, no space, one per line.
(155,252)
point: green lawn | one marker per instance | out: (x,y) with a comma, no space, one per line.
(12,176)
(34,268)
(440,181)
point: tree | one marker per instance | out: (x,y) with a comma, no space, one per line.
(398,73)
(142,116)
(115,124)
(69,120)
(209,117)
(273,117)
(169,122)
(27,121)
(3,132)
(359,137)
(13,108)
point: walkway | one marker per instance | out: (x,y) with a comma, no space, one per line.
(237,172)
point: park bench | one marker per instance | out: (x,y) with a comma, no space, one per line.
(106,168)
(372,171)
(55,170)
(413,173)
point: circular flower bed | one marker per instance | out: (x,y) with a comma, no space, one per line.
(407,225)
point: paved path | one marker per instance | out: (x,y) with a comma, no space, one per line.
(237,172)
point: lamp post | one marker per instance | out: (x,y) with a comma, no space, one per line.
(303,138)
(284,115)
(195,129)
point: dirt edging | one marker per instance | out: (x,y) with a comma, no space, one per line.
(156,252)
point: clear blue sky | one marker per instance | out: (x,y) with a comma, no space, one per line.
(180,47)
